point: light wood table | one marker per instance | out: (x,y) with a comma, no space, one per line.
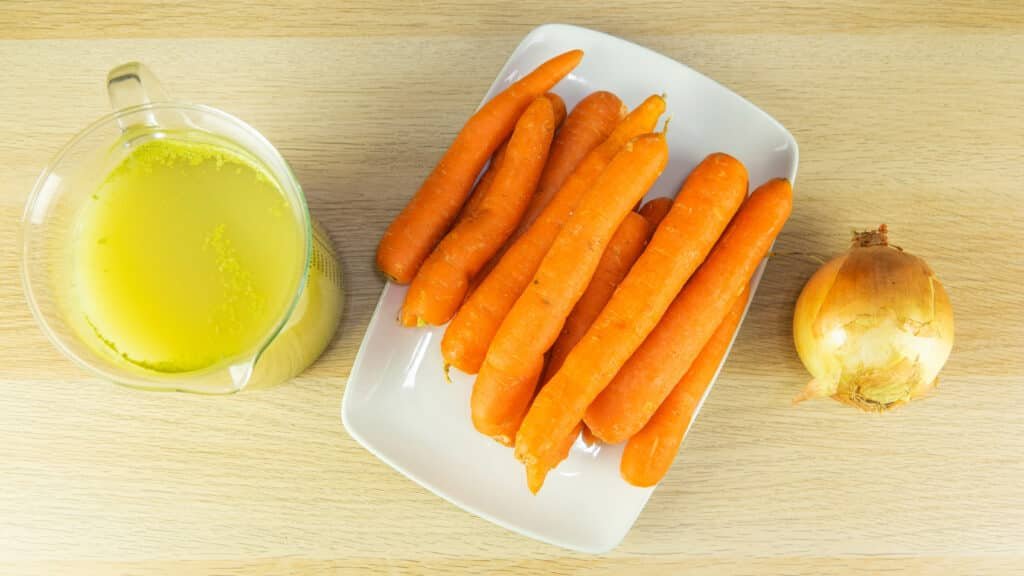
(909,114)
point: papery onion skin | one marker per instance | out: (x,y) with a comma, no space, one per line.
(874,326)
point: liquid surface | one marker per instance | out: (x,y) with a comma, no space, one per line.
(185,256)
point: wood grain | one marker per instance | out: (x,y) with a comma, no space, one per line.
(906,113)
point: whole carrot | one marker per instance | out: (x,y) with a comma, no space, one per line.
(650,452)
(504,387)
(655,210)
(442,282)
(473,202)
(484,183)
(470,333)
(703,207)
(623,408)
(589,124)
(614,265)
(424,221)
(622,251)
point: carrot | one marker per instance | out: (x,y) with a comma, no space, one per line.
(655,210)
(622,251)
(424,221)
(623,408)
(650,452)
(470,333)
(483,184)
(503,388)
(703,207)
(474,200)
(442,282)
(589,124)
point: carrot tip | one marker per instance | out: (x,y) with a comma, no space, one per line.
(447,373)
(535,478)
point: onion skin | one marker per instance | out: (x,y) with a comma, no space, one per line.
(874,326)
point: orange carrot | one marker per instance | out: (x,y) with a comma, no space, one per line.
(655,210)
(623,408)
(470,333)
(589,124)
(485,180)
(504,387)
(559,105)
(649,453)
(703,207)
(483,184)
(442,282)
(424,221)
(622,251)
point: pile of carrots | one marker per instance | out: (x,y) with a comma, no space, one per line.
(578,308)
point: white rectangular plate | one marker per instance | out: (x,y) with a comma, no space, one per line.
(397,403)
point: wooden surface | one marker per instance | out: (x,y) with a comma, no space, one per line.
(908,114)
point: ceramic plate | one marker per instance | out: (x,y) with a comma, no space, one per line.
(397,403)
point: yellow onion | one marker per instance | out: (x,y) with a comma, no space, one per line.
(873,326)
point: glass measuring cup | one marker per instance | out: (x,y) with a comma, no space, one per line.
(143,113)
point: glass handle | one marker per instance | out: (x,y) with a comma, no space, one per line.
(132,84)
